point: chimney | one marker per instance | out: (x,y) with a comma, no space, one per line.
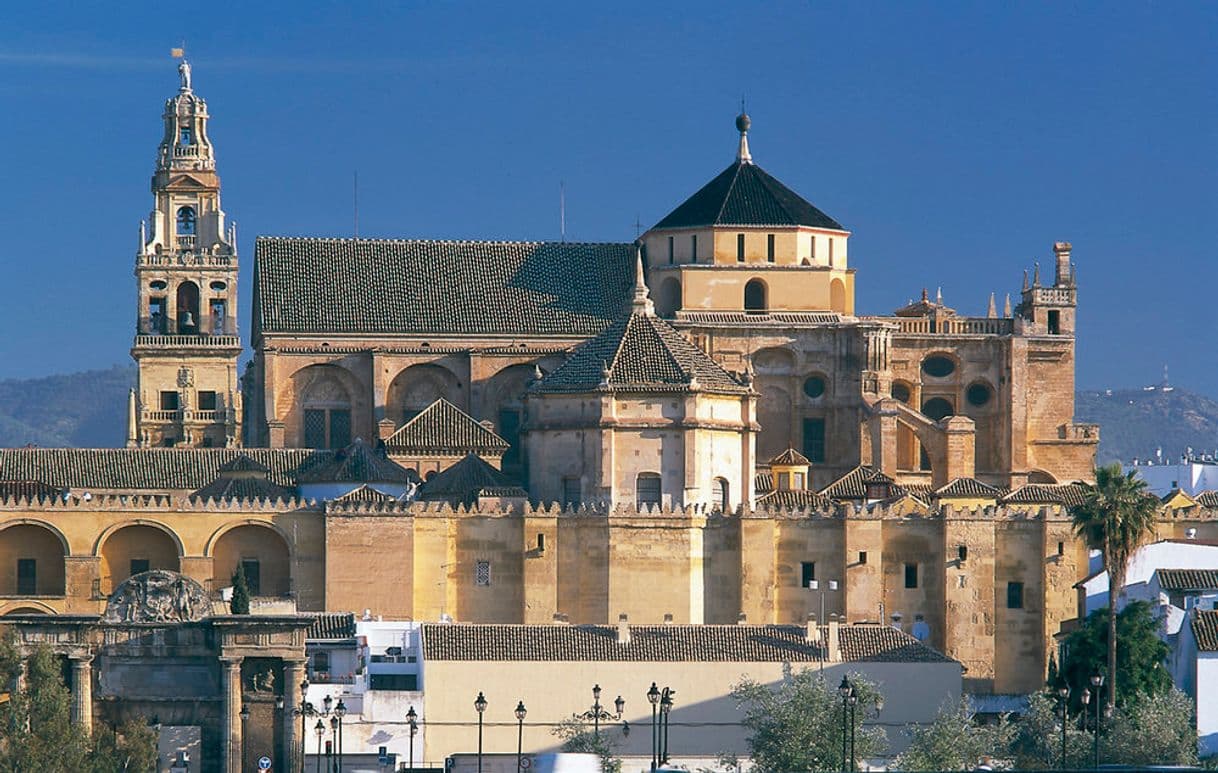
(835,650)
(668,618)
(623,630)
(811,630)
(742,619)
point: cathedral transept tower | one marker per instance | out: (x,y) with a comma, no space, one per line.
(186,338)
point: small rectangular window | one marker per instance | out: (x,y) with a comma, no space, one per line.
(156,316)
(570,491)
(830,252)
(1055,322)
(184,136)
(807,573)
(27,576)
(1014,595)
(862,556)
(648,490)
(169,401)
(139,566)
(813,253)
(253,575)
(482,574)
(340,428)
(207,400)
(814,440)
(797,481)
(769,248)
(314,428)
(739,248)
(693,248)
(911,575)
(784,481)
(1061,548)
(671,251)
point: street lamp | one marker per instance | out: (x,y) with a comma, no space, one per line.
(1063,695)
(845,689)
(666,701)
(412,720)
(480,707)
(653,697)
(245,721)
(854,698)
(521,712)
(340,711)
(305,711)
(320,730)
(1097,681)
(597,712)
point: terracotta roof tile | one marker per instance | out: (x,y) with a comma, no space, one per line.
(791,458)
(29,489)
(244,488)
(967,487)
(328,627)
(668,643)
(1205,629)
(1207,498)
(745,194)
(357,463)
(466,480)
(793,498)
(1188,579)
(438,287)
(853,485)
(1067,494)
(443,429)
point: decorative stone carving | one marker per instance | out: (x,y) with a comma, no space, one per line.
(186,377)
(157,596)
(262,680)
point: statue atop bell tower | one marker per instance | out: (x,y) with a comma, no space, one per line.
(186,339)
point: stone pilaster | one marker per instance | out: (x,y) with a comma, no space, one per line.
(231,685)
(293,675)
(82,691)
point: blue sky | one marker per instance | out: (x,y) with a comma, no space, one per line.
(956,141)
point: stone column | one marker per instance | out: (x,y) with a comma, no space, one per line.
(231,685)
(293,675)
(82,691)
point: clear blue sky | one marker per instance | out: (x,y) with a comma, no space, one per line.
(956,141)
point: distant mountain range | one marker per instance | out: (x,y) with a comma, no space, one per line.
(89,410)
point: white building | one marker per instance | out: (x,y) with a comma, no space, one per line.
(1165,554)
(1192,475)
(1196,658)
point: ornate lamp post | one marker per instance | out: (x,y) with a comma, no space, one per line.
(597,712)
(304,711)
(521,712)
(480,707)
(1063,696)
(332,744)
(845,689)
(1097,681)
(320,730)
(340,711)
(653,697)
(245,723)
(853,699)
(412,720)
(666,701)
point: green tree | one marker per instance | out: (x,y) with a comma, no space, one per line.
(577,739)
(955,741)
(129,749)
(1159,729)
(1116,517)
(798,723)
(1037,743)
(1139,664)
(240,604)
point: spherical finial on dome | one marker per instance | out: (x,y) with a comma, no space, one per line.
(743,122)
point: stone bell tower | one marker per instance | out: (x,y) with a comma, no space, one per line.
(186,339)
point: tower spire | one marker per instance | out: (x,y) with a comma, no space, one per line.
(641,302)
(992,311)
(743,122)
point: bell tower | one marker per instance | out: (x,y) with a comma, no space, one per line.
(186,339)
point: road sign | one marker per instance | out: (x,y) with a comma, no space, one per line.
(264,763)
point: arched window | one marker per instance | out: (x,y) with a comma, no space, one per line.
(937,408)
(186,221)
(722,491)
(647,490)
(754,296)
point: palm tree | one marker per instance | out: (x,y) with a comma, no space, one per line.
(1116,517)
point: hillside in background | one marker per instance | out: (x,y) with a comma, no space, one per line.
(89,409)
(85,410)
(1135,422)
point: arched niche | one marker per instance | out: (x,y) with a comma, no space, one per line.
(418,386)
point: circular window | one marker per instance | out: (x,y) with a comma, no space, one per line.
(901,392)
(218,286)
(814,387)
(158,284)
(937,408)
(978,395)
(938,366)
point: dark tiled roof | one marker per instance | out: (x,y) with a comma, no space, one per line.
(242,463)
(466,480)
(1207,498)
(134,469)
(853,485)
(438,287)
(967,487)
(226,487)
(1188,579)
(367,494)
(668,643)
(752,320)
(744,194)
(791,458)
(793,498)
(641,352)
(1067,494)
(28,489)
(443,429)
(357,463)
(328,627)
(1205,629)
(763,481)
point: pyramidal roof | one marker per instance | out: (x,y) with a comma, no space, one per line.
(443,428)
(640,353)
(744,194)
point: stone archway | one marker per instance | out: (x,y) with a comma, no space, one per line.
(261,550)
(136,548)
(32,555)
